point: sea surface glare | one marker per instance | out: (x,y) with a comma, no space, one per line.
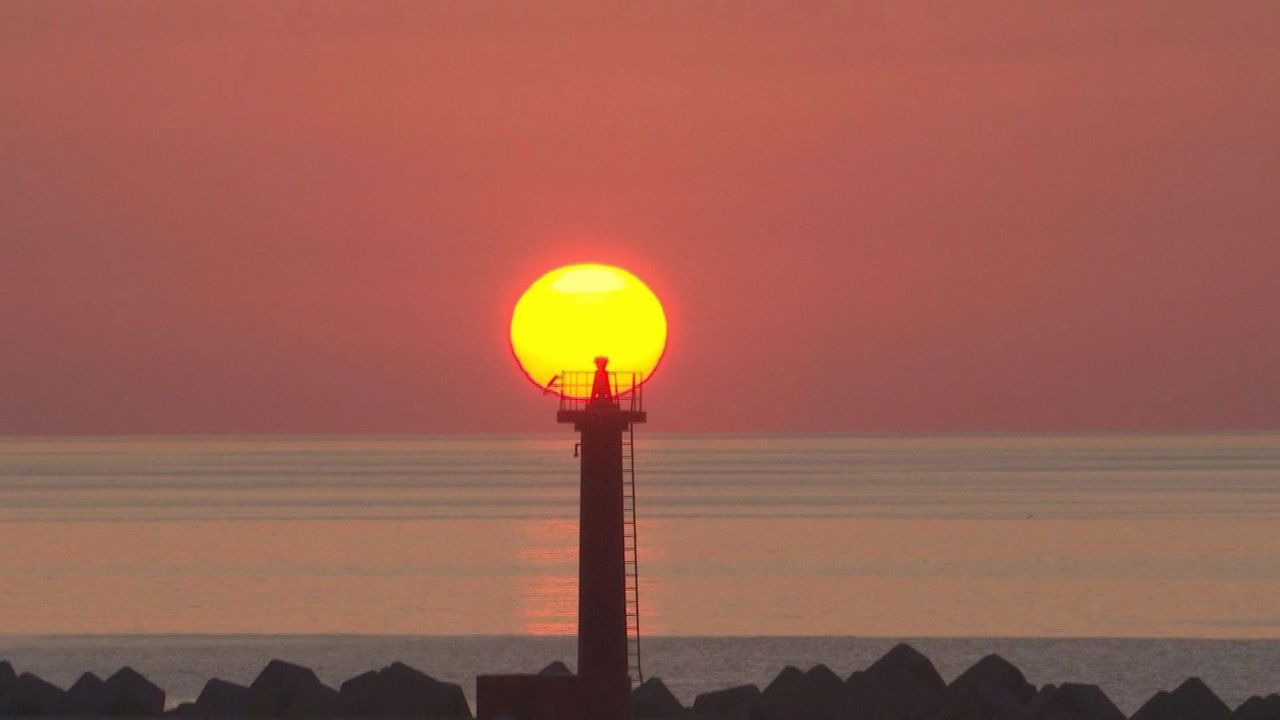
(176,555)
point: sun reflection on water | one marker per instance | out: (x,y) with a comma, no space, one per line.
(549,593)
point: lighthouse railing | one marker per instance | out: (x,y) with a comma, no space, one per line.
(575,390)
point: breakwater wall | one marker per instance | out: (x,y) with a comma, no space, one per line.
(901,685)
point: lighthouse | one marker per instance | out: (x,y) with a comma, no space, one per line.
(564,313)
(608,591)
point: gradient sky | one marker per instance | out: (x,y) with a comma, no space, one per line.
(883,216)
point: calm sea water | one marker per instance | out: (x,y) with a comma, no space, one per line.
(831,538)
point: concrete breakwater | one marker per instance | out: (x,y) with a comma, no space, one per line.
(901,685)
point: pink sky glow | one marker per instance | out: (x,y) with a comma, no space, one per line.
(880,217)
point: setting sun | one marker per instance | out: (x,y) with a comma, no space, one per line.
(577,312)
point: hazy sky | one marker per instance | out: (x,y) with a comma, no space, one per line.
(884,216)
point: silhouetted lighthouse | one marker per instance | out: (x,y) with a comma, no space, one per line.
(604,407)
(607,590)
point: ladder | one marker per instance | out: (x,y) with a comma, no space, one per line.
(629,556)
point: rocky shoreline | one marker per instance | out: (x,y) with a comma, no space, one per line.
(901,685)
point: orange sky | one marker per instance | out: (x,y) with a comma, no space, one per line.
(301,217)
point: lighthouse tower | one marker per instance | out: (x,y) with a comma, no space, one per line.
(608,594)
(604,408)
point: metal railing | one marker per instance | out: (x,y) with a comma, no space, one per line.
(574,389)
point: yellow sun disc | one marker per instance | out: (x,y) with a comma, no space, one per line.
(575,313)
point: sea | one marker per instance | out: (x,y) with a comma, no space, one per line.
(1130,561)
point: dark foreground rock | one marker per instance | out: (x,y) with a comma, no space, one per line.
(132,695)
(286,691)
(993,689)
(904,685)
(7,678)
(32,696)
(652,699)
(320,701)
(901,685)
(401,691)
(125,694)
(1258,708)
(222,699)
(789,695)
(871,701)
(1192,700)
(275,687)
(1072,701)
(735,703)
(818,694)
(841,700)
(824,679)
(88,697)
